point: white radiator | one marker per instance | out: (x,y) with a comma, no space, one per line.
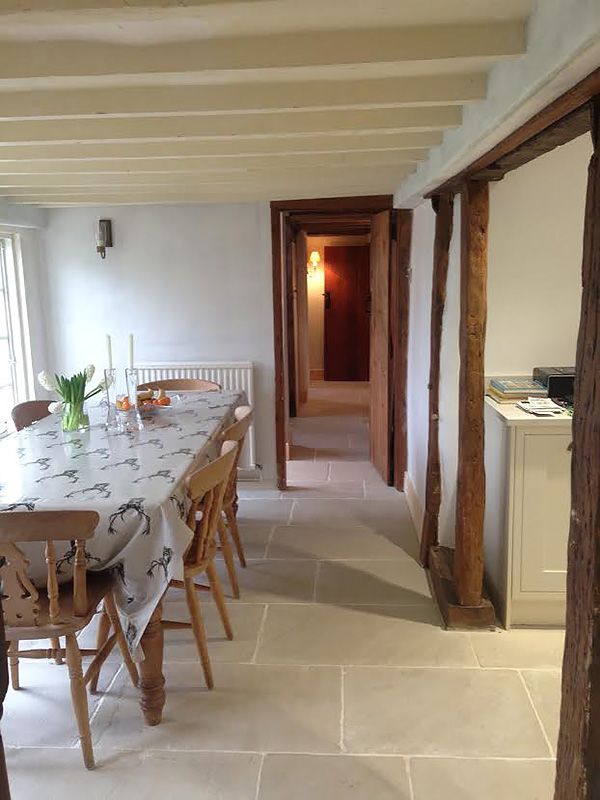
(230,375)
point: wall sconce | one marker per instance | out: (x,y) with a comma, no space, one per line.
(313,263)
(103,236)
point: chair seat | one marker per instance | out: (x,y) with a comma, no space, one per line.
(99,585)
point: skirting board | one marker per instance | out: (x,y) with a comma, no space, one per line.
(414,504)
(249,474)
(317,375)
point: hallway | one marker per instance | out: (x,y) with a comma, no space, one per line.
(340,682)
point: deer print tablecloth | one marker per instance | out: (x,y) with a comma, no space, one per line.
(135,481)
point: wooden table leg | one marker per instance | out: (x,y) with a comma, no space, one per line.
(4,788)
(152,681)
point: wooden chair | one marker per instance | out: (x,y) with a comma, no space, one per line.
(32,613)
(24,414)
(182,385)
(228,522)
(206,490)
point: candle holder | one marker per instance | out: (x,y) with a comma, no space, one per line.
(132,379)
(110,398)
(128,413)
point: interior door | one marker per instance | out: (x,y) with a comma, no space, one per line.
(346,309)
(379,422)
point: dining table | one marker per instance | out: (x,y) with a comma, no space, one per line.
(135,481)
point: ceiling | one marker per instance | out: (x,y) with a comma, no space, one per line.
(152,101)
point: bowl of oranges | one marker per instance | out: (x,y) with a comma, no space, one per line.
(148,401)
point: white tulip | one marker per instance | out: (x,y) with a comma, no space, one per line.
(47,381)
(105,382)
(56,408)
(89,372)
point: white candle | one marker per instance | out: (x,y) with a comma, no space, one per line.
(131,351)
(109,350)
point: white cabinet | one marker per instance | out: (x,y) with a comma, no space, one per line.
(528,499)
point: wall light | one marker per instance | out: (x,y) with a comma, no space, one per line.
(313,263)
(103,236)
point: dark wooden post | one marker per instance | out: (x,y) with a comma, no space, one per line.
(399,329)
(578,763)
(470,488)
(443,206)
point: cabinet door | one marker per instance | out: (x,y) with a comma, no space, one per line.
(542,506)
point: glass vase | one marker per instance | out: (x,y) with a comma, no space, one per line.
(74,417)
(110,398)
(128,418)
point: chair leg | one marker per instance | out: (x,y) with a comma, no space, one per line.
(111,610)
(13,663)
(235,534)
(199,631)
(228,557)
(219,598)
(80,702)
(55,642)
(101,638)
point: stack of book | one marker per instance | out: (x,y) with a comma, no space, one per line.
(514,388)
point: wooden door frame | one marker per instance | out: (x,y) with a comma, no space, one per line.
(574,113)
(281,213)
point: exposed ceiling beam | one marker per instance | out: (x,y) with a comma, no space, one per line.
(235,98)
(343,142)
(28,7)
(200,178)
(52,63)
(19,184)
(281,124)
(50,170)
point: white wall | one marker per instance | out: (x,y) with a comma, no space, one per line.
(418,357)
(534,290)
(449,368)
(192,282)
(535,248)
(316,307)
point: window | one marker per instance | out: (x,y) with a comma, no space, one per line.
(14,339)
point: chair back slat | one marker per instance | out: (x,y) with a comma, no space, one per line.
(25,414)
(52,583)
(39,526)
(181,385)
(236,433)
(19,595)
(206,490)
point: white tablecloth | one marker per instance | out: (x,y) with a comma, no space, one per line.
(135,481)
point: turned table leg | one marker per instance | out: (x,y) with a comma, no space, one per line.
(4,789)
(152,681)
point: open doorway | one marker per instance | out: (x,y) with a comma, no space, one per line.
(340,279)
(331,426)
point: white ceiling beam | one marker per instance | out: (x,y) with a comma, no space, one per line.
(27,170)
(210,194)
(49,62)
(45,184)
(27,7)
(249,125)
(343,142)
(427,90)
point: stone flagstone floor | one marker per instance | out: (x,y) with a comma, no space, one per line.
(340,682)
